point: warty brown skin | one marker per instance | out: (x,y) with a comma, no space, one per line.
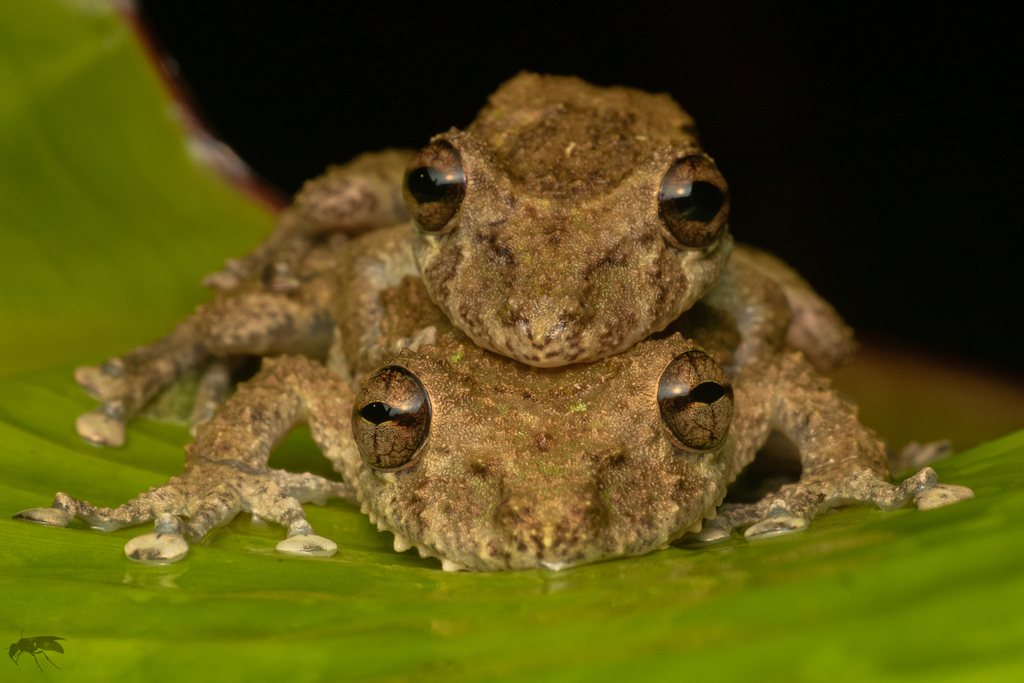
(520,467)
(556,253)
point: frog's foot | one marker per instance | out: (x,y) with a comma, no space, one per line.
(102,382)
(943,494)
(125,384)
(796,505)
(771,516)
(207,496)
(306,487)
(310,488)
(302,541)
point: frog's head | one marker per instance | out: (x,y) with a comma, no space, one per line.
(568,222)
(491,466)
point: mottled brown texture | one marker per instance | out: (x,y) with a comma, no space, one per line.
(544,279)
(523,467)
(558,253)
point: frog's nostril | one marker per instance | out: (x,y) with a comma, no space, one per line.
(556,332)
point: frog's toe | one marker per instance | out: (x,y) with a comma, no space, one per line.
(164,545)
(775,526)
(779,520)
(222,280)
(941,495)
(213,390)
(49,516)
(707,537)
(156,548)
(103,426)
(309,545)
(102,382)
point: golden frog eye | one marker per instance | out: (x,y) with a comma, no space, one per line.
(695,398)
(434,186)
(693,203)
(391,419)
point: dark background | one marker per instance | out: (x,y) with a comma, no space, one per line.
(878,151)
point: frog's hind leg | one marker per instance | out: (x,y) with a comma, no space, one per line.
(256,323)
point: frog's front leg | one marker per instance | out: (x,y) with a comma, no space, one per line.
(226,468)
(364,194)
(773,307)
(843,463)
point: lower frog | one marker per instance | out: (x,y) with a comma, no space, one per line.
(490,465)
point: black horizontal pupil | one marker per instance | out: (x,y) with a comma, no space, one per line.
(377,412)
(697,201)
(707,392)
(428,184)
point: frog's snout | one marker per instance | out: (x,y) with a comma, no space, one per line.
(545,333)
(553,533)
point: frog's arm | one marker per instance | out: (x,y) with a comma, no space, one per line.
(757,306)
(226,469)
(815,328)
(842,461)
(347,200)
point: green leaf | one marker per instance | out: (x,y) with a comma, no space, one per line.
(106,226)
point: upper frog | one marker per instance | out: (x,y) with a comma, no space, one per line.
(568,221)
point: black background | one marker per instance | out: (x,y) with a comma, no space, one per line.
(877,151)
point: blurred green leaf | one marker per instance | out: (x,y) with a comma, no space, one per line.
(106,227)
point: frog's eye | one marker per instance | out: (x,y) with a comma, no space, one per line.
(391,419)
(693,203)
(434,186)
(695,398)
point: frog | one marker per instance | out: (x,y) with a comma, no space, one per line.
(487,464)
(566,223)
